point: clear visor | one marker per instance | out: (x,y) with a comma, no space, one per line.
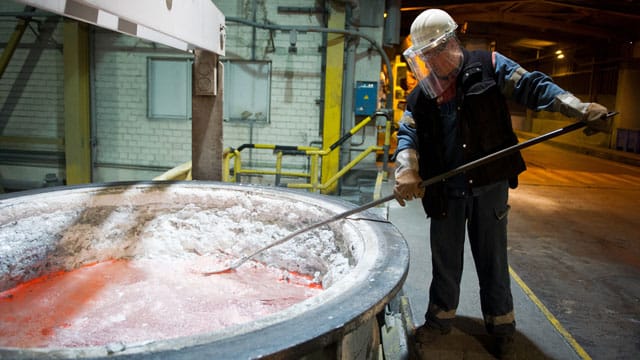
(436,65)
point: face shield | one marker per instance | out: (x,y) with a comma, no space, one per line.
(437,64)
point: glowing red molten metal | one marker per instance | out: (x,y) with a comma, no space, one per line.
(140,300)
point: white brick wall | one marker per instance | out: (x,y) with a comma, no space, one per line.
(31,90)
(31,98)
(131,146)
(296,79)
(125,136)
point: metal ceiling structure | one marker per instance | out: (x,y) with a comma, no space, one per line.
(183,25)
(525,28)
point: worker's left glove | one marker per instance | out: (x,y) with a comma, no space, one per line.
(593,114)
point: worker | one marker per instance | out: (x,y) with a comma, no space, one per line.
(457,114)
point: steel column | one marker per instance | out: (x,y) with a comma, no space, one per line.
(333,94)
(77,119)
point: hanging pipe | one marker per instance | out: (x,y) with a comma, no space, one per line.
(302,29)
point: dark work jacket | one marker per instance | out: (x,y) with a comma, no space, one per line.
(483,127)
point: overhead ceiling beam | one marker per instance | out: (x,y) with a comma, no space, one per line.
(567,18)
(536,22)
(628,9)
(453,3)
(185,25)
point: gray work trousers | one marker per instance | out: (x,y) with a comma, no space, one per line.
(484,212)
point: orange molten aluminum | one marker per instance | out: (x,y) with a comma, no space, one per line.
(141,300)
(104,270)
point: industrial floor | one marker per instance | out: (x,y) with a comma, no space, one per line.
(536,338)
(541,330)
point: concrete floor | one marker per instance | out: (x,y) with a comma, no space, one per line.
(574,256)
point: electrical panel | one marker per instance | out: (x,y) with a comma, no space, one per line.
(366,99)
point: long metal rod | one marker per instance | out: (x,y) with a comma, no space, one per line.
(463,168)
(504,152)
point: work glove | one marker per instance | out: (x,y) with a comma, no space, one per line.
(408,184)
(593,114)
(596,119)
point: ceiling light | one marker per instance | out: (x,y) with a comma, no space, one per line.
(533,43)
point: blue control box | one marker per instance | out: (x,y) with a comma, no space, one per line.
(366,99)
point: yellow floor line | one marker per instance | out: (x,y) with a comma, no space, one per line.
(552,319)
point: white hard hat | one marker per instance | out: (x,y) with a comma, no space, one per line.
(436,57)
(430,27)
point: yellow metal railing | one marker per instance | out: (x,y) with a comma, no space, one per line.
(314,154)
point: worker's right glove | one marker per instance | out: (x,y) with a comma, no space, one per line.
(408,184)
(593,114)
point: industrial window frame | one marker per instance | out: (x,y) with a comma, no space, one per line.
(247,91)
(169,87)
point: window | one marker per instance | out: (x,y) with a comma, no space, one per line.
(169,88)
(247,91)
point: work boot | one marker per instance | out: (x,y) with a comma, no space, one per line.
(426,334)
(505,347)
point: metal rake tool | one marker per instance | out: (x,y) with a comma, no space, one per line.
(236,263)
(466,167)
